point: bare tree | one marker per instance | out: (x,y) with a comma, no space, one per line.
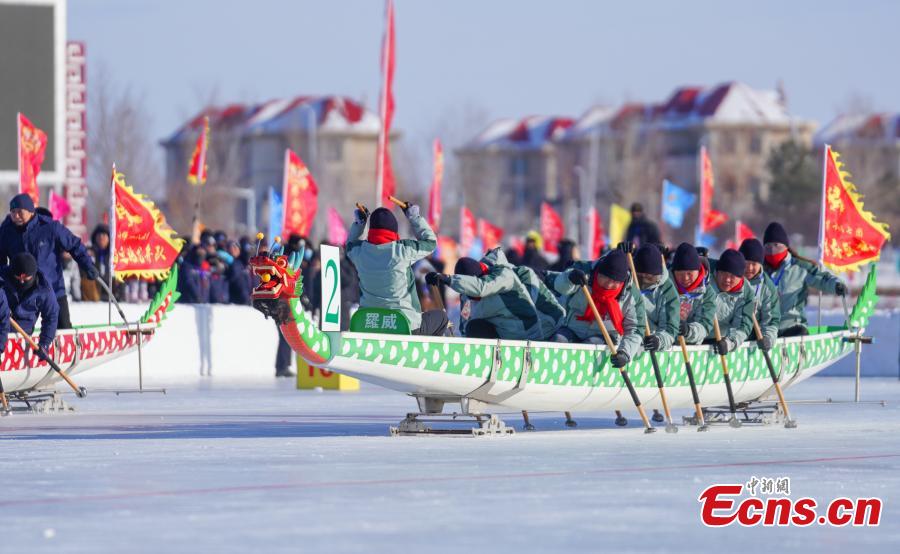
(118,132)
(455,125)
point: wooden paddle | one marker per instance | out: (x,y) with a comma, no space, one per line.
(612,352)
(789,423)
(693,383)
(734,420)
(3,399)
(670,425)
(79,391)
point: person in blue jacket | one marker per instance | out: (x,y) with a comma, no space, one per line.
(46,240)
(30,295)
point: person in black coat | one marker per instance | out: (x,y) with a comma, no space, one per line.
(240,284)
(566,258)
(641,230)
(4,322)
(45,239)
(30,295)
(193,284)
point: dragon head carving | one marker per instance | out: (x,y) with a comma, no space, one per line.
(279,282)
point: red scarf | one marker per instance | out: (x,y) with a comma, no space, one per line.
(382,236)
(484,271)
(774,260)
(693,285)
(605,299)
(737,287)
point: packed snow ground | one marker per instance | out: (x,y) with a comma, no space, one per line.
(266,468)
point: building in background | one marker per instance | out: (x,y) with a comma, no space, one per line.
(510,168)
(622,154)
(869,145)
(335,136)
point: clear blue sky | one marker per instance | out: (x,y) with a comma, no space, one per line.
(512,58)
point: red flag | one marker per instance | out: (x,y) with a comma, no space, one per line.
(384,173)
(32,142)
(551,227)
(59,206)
(710,219)
(447,250)
(517,245)
(143,244)
(337,231)
(849,235)
(490,234)
(742,232)
(595,224)
(466,230)
(197,172)
(434,196)
(300,196)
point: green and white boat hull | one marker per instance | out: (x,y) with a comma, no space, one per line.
(521,375)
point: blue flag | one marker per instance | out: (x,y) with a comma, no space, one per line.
(676,201)
(276,214)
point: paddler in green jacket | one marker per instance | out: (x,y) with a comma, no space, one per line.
(659,296)
(768,307)
(384,263)
(793,277)
(496,304)
(697,301)
(609,282)
(734,302)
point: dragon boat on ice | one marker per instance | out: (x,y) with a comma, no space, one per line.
(518,375)
(25,376)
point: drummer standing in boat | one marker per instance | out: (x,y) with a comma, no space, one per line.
(29,295)
(384,263)
(45,239)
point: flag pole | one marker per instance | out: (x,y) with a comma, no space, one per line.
(699,229)
(112,241)
(825,155)
(284,193)
(19,148)
(382,108)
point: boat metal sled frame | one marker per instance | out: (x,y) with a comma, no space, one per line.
(748,413)
(431,410)
(37,402)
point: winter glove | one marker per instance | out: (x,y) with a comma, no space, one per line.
(577,277)
(766,343)
(435,279)
(411,211)
(703,251)
(91,272)
(41,353)
(626,247)
(620,359)
(664,250)
(683,328)
(840,289)
(722,347)
(652,343)
(360,216)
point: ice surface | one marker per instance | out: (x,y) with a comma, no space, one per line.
(265,468)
